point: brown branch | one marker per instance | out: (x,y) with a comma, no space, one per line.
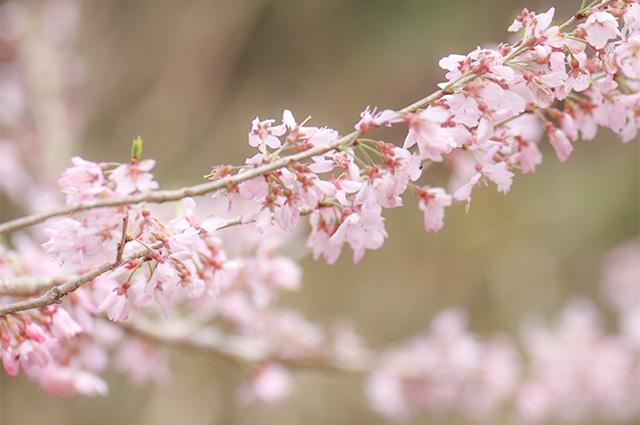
(55,294)
(239,349)
(579,16)
(30,285)
(123,241)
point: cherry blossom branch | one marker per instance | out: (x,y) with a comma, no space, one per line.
(30,285)
(55,294)
(581,14)
(238,349)
(162,196)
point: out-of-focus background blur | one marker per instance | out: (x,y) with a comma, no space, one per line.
(190,76)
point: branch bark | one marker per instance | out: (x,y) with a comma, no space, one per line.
(55,294)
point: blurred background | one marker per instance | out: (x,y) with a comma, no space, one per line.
(190,76)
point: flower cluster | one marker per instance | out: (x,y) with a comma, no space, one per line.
(573,369)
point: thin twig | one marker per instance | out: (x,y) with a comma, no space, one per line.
(25,286)
(55,294)
(123,241)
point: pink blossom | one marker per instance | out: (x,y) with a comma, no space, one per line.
(34,331)
(576,371)
(10,359)
(452,63)
(529,155)
(631,18)
(321,165)
(70,240)
(362,230)
(559,141)
(160,286)
(255,189)
(464,109)
(545,87)
(320,238)
(263,133)
(497,173)
(621,276)
(447,369)
(533,24)
(370,118)
(319,136)
(627,55)
(189,219)
(425,129)
(82,181)
(142,362)
(270,384)
(134,177)
(63,325)
(89,384)
(600,27)
(433,202)
(464,192)
(33,354)
(312,135)
(116,305)
(500,175)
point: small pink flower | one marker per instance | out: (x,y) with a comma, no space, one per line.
(270,384)
(135,177)
(255,189)
(161,286)
(370,118)
(33,355)
(263,133)
(559,141)
(320,240)
(189,219)
(533,24)
(497,173)
(63,325)
(362,230)
(600,27)
(82,181)
(65,241)
(433,202)
(89,384)
(116,305)
(10,359)
(627,56)
(500,175)
(143,362)
(34,331)
(425,129)
(529,155)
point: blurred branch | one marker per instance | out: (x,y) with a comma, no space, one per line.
(239,349)
(29,285)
